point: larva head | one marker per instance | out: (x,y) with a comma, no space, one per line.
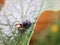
(26,24)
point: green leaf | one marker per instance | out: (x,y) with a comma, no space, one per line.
(9,34)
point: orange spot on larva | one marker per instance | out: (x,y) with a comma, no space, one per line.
(2,2)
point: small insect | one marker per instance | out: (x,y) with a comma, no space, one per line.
(25,25)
